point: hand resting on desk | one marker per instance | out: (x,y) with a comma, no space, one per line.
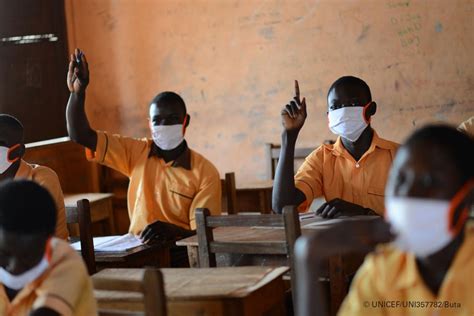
(163,232)
(339,207)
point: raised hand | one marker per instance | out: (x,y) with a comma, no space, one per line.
(78,73)
(294,113)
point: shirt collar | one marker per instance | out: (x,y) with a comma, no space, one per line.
(183,160)
(338,148)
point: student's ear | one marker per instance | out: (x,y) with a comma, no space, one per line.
(371,110)
(187,119)
(18,152)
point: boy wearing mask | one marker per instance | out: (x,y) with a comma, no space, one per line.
(349,174)
(168,180)
(40,275)
(427,270)
(12,166)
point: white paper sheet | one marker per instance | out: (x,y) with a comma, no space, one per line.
(112,243)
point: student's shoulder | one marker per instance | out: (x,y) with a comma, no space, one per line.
(385,263)
(202,163)
(40,172)
(124,140)
(63,255)
(387,144)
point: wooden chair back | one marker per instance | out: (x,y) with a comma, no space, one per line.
(81,215)
(150,286)
(272,154)
(229,193)
(208,247)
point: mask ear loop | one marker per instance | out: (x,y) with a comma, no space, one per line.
(9,152)
(365,110)
(184,123)
(454,229)
(49,250)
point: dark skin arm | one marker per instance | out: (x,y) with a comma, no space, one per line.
(78,126)
(284,191)
(344,238)
(164,232)
(44,311)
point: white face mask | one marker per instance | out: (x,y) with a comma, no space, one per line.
(348,122)
(17,282)
(5,162)
(167,137)
(421,225)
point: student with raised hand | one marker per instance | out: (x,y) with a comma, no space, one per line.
(12,166)
(168,180)
(40,275)
(349,174)
(427,270)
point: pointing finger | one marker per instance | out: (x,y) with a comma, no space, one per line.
(297,90)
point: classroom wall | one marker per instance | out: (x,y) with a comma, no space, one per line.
(234,63)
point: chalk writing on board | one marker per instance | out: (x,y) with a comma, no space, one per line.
(408,28)
(398,4)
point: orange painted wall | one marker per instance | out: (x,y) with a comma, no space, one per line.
(234,63)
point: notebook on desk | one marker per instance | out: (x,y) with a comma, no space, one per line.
(121,243)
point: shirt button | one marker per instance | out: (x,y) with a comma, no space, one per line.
(357,165)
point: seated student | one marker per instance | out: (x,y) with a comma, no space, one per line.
(40,275)
(168,180)
(12,166)
(351,173)
(467,126)
(427,270)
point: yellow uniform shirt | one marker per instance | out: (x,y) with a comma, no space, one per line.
(467,126)
(390,277)
(332,172)
(169,192)
(47,178)
(64,287)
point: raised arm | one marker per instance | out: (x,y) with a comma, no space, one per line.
(77,123)
(284,192)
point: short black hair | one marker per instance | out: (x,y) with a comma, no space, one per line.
(26,208)
(353,81)
(13,124)
(169,97)
(458,146)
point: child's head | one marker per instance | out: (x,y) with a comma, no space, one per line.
(27,221)
(350,107)
(430,189)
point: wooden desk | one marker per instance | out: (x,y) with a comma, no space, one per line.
(255,196)
(101,209)
(336,269)
(209,291)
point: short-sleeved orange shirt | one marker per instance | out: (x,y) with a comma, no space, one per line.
(168,192)
(388,283)
(64,287)
(332,172)
(47,178)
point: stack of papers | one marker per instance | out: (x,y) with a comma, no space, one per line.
(113,243)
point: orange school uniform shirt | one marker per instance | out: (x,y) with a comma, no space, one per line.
(388,283)
(65,286)
(47,178)
(330,171)
(169,192)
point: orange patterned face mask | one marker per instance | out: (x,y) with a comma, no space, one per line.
(5,161)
